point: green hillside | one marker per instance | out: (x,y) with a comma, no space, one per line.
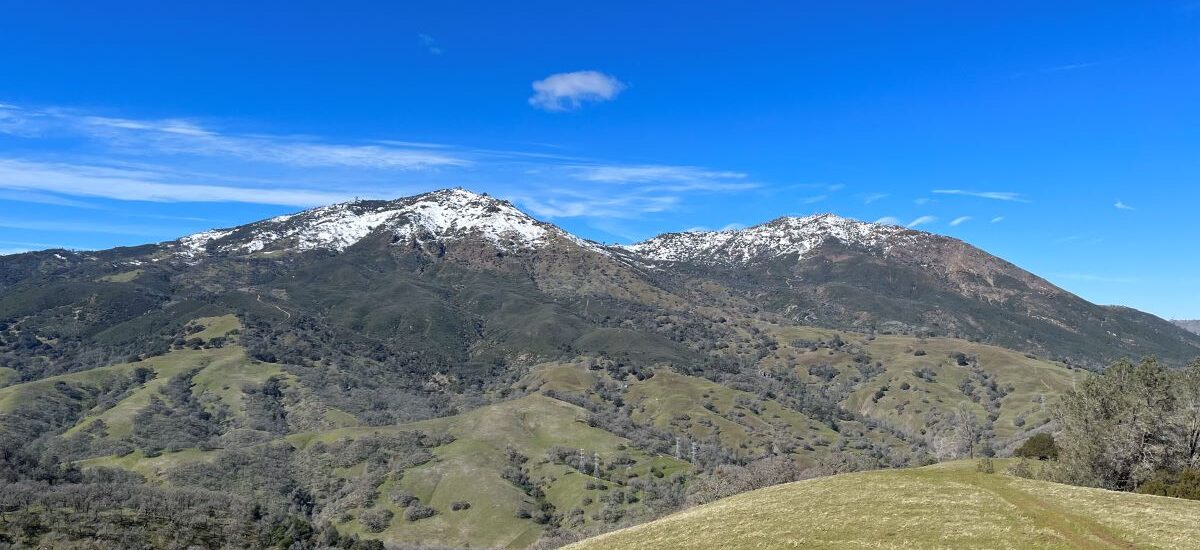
(818,395)
(949,505)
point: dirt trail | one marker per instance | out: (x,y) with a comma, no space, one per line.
(285,312)
(1077,530)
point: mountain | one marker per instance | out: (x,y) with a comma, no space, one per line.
(1190,326)
(439,217)
(446,369)
(835,272)
(920,508)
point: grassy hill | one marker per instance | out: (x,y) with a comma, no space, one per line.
(902,389)
(948,505)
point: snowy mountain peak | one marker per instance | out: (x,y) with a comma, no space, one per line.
(447,214)
(786,235)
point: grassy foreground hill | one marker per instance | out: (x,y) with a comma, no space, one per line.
(949,505)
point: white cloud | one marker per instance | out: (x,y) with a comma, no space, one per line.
(573,204)
(732,226)
(663,177)
(874,197)
(889,220)
(960,220)
(429,44)
(997,219)
(922,221)
(921,201)
(993,195)
(568,91)
(42,198)
(814,199)
(180,160)
(80,227)
(1122,206)
(182,137)
(7,251)
(1072,67)
(142,185)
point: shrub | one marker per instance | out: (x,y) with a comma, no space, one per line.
(1041,446)
(985,466)
(459,505)
(1184,484)
(376,520)
(418,511)
(1021,469)
(401,497)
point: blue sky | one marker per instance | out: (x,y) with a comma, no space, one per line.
(1062,136)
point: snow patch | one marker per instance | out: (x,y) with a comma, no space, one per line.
(782,236)
(444,215)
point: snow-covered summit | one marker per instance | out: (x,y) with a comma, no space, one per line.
(446,215)
(786,235)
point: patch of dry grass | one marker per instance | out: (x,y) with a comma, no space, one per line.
(944,506)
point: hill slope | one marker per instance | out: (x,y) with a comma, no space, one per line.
(1190,326)
(837,272)
(944,506)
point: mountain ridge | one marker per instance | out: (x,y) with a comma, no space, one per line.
(824,269)
(1189,325)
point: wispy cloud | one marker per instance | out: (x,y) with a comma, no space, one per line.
(888,220)
(141,185)
(665,177)
(81,227)
(137,137)
(997,219)
(569,91)
(868,199)
(567,203)
(993,195)
(178,137)
(959,221)
(1122,206)
(1072,66)
(813,199)
(429,44)
(923,220)
(42,198)
(182,160)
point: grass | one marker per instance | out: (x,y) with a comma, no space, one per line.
(468,469)
(948,505)
(152,468)
(119,418)
(226,378)
(216,326)
(7,376)
(676,402)
(122,277)
(1033,384)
